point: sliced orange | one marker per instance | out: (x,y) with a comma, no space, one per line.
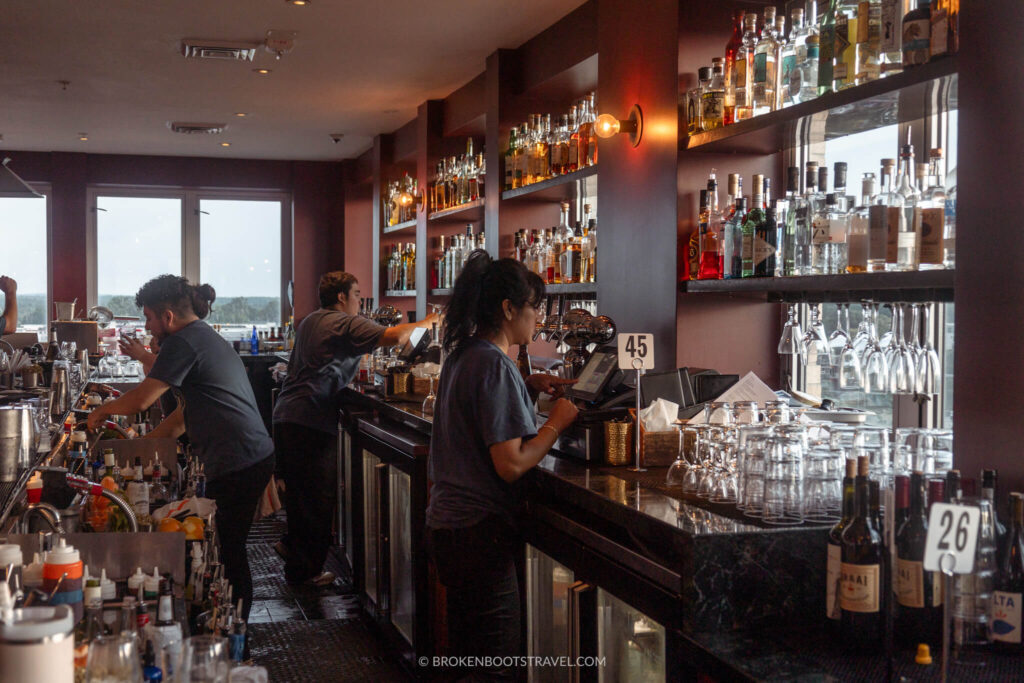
(109,483)
(193,527)
(170,524)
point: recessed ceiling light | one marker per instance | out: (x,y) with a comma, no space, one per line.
(262,72)
(225,144)
(300,3)
(240,113)
(83,136)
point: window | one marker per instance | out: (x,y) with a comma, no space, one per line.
(240,255)
(235,242)
(137,239)
(23,231)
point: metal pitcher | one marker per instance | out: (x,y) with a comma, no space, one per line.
(17,441)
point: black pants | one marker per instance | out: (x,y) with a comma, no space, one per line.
(309,461)
(237,495)
(477,567)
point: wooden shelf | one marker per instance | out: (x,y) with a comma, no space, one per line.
(923,285)
(900,98)
(574,288)
(399,293)
(401,227)
(441,292)
(473,209)
(539,190)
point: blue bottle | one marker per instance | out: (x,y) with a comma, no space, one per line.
(254,342)
(150,672)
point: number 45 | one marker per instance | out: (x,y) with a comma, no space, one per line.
(636,346)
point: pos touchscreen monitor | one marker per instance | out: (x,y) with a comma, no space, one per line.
(595,375)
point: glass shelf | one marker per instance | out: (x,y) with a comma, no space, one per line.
(922,285)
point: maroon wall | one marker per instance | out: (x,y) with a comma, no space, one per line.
(316,187)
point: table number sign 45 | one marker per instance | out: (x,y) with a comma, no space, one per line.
(636,351)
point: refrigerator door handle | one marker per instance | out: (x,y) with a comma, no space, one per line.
(383,542)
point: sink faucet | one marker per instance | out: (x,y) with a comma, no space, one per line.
(48,512)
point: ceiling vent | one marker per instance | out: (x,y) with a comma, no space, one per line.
(218,49)
(186,128)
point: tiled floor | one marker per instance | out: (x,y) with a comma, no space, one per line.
(307,633)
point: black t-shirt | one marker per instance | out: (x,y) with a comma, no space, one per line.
(481,400)
(221,417)
(328,347)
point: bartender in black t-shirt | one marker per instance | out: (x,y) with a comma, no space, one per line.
(220,414)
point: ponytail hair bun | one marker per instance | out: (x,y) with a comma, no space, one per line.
(203,297)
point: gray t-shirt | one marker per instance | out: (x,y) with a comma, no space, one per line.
(328,347)
(481,400)
(223,423)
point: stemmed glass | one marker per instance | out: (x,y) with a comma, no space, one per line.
(677,473)
(902,363)
(875,370)
(815,343)
(791,341)
(929,367)
(431,399)
(840,337)
(863,337)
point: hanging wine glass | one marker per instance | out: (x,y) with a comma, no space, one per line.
(840,337)
(929,366)
(790,343)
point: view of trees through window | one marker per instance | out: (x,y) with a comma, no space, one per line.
(23,232)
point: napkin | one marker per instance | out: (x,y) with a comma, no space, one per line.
(660,415)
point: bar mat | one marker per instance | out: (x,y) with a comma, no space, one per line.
(318,651)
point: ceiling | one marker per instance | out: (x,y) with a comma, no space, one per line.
(357,68)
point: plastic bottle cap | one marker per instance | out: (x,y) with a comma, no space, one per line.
(108,459)
(152,583)
(78,437)
(36,482)
(136,579)
(107,587)
(10,553)
(62,554)
(924,654)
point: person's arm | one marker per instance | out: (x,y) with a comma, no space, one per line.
(135,350)
(135,401)
(513,458)
(10,289)
(549,384)
(172,426)
(399,334)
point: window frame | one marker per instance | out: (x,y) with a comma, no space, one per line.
(191,220)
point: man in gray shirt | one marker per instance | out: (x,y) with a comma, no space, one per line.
(329,344)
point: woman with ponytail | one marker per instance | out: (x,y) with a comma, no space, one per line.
(220,413)
(484,439)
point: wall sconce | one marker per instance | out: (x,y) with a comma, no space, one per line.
(607,125)
(407,199)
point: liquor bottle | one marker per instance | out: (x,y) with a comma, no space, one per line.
(584,128)
(510,163)
(918,592)
(572,162)
(712,97)
(743,69)
(827,46)
(159,495)
(591,136)
(732,242)
(839,185)
(890,56)
(787,243)
(254,342)
(561,154)
(988,492)
(789,76)
(863,564)
(694,101)
(972,593)
(949,234)
(945,28)
(888,214)
(952,490)
(859,235)
(753,219)
(901,498)
(765,52)
(766,243)
(906,246)
(1009,592)
(709,234)
(544,165)
(830,250)
(931,215)
(553,257)
(780,87)
(731,49)
(569,258)
(803,215)
(844,62)
(869,19)
(591,255)
(835,547)
(138,492)
(917,34)
(691,270)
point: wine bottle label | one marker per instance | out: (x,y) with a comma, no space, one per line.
(713,105)
(842,38)
(906,240)
(890,26)
(1006,612)
(910,583)
(916,41)
(832,575)
(819,230)
(761,68)
(929,227)
(739,71)
(762,251)
(858,587)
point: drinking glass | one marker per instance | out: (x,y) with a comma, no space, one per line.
(784,483)
(205,660)
(840,337)
(777,412)
(748,437)
(725,485)
(756,448)
(902,362)
(695,473)
(747,412)
(929,367)
(113,659)
(676,474)
(823,487)
(864,329)
(428,402)
(875,368)
(719,412)
(874,443)
(815,346)
(791,341)
(851,375)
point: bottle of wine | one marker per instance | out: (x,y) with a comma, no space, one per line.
(1009,593)
(918,592)
(863,562)
(835,547)
(902,497)
(988,490)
